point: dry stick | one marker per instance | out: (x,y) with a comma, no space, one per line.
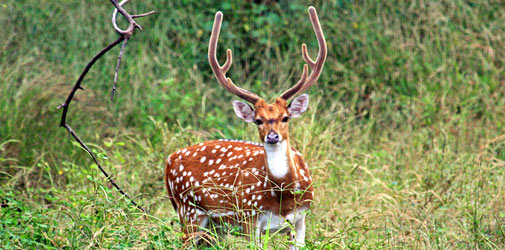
(117,68)
(81,77)
(125,35)
(64,124)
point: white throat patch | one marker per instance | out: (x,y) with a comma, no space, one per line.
(277,158)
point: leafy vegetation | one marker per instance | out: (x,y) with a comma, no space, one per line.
(404,135)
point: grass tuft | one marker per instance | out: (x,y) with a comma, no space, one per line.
(404,135)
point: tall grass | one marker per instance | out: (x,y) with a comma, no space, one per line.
(404,134)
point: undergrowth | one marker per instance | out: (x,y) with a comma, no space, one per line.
(404,134)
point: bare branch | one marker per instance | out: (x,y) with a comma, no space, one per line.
(71,131)
(124,36)
(132,24)
(81,77)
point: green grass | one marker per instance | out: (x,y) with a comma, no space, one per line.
(404,135)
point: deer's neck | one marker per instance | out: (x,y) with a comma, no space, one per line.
(279,162)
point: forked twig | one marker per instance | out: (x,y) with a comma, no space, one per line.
(124,36)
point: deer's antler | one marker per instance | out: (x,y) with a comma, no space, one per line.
(220,71)
(316,66)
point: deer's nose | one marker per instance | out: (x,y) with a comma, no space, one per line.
(272,137)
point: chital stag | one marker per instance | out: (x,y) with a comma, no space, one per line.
(256,186)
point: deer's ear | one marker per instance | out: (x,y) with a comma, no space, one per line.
(298,105)
(244,111)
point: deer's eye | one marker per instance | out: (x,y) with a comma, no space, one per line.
(285,119)
(258,121)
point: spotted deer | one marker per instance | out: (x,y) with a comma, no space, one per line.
(258,186)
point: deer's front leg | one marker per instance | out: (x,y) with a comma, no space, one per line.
(298,237)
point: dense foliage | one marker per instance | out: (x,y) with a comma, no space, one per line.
(404,134)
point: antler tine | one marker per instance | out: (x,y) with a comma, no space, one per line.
(295,89)
(227,63)
(316,66)
(220,71)
(306,56)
